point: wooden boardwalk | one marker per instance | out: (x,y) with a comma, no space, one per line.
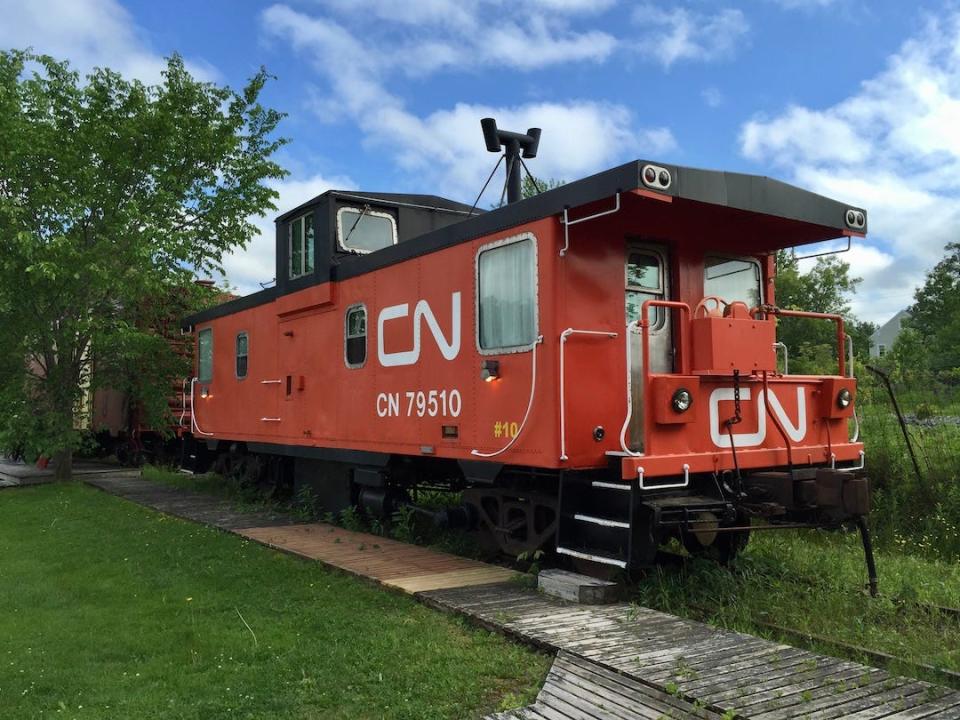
(614,662)
(578,688)
(406,567)
(399,565)
(718,670)
(187,504)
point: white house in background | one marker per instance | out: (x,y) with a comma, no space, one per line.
(882,340)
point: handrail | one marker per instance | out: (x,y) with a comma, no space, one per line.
(685,360)
(631,329)
(838,319)
(786,356)
(526,415)
(193,410)
(644,324)
(567,222)
(563,403)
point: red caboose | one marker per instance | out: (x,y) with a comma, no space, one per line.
(595,368)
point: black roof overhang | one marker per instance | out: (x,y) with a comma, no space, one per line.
(815,217)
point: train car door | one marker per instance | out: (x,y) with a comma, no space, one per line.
(646,278)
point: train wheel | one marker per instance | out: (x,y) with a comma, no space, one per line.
(710,541)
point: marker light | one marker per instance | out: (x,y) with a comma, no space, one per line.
(682,400)
(856,219)
(844,398)
(656,177)
(204,391)
(489,370)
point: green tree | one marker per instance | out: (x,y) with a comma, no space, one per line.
(826,288)
(112,194)
(534,186)
(935,313)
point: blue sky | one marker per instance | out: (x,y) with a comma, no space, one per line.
(858,100)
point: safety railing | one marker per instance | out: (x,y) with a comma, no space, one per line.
(837,319)
(643,324)
(684,327)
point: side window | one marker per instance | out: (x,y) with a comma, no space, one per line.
(242,351)
(644,281)
(881,350)
(733,279)
(355,336)
(507,296)
(205,355)
(362,230)
(300,247)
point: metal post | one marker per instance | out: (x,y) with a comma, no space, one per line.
(903,424)
(514,184)
(868,554)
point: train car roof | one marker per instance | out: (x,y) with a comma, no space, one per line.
(811,217)
(426,202)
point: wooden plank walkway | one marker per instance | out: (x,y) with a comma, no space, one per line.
(718,670)
(578,688)
(187,504)
(406,567)
(399,565)
(615,662)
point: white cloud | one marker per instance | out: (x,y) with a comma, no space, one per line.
(444,148)
(88,33)
(892,147)
(805,4)
(801,134)
(712,97)
(678,33)
(246,269)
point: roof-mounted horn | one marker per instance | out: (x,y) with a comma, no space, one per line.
(512,144)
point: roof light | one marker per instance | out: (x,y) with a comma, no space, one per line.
(656,177)
(856,219)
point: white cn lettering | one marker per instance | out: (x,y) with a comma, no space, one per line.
(718,430)
(449,350)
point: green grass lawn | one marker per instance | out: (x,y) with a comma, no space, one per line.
(109,610)
(813,582)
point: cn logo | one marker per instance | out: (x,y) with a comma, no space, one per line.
(450,349)
(718,431)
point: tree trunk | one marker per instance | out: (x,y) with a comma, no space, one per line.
(63,464)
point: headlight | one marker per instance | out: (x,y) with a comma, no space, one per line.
(844,398)
(682,400)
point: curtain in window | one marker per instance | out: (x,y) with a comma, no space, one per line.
(205,355)
(507,296)
(308,244)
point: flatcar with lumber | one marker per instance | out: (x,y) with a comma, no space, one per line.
(595,369)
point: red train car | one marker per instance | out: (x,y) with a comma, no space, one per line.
(594,368)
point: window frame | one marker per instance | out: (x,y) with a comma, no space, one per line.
(372,213)
(639,248)
(301,219)
(347,336)
(744,258)
(200,377)
(535,281)
(237,356)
